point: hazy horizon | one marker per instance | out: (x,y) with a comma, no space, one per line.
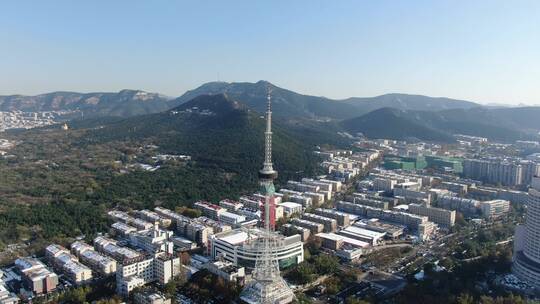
(481,51)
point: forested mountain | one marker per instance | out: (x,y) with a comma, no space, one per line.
(216,130)
(290,104)
(428,118)
(409,102)
(285,103)
(437,125)
(124,103)
(527,118)
(393,124)
(58,183)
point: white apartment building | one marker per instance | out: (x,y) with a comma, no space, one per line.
(230,218)
(330,224)
(97,262)
(230,205)
(153,241)
(110,248)
(494,209)
(226,270)
(210,210)
(316,198)
(290,208)
(160,269)
(443,217)
(384,184)
(36,276)
(62,259)
(7,297)
(122,229)
(155,218)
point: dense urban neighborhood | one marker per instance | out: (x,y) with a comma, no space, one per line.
(270,152)
(380,220)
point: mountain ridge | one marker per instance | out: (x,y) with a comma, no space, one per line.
(391,123)
(439,114)
(288,103)
(124,103)
(436,125)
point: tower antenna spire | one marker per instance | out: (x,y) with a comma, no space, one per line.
(268,172)
(267,286)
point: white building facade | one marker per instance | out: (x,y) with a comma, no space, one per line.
(527,248)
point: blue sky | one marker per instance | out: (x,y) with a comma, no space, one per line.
(485,51)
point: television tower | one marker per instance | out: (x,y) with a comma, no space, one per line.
(266,285)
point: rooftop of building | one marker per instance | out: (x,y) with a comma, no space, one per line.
(363,231)
(226,267)
(208,205)
(402,207)
(379,224)
(316,216)
(229,201)
(55,249)
(337,237)
(332,211)
(234,237)
(123,226)
(75,267)
(27,263)
(233,215)
(39,274)
(97,257)
(306,222)
(242,235)
(291,205)
(81,246)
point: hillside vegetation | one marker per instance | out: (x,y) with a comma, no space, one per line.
(59,183)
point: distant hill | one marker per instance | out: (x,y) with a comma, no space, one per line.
(477,122)
(124,103)
(290,104)
(437,125)
(526,118)
(393,124)
(409,102)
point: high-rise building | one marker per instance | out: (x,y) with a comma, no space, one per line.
(505,173)
(266,285)
(497,171)
(476,168)
(527,240)
(530,169)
